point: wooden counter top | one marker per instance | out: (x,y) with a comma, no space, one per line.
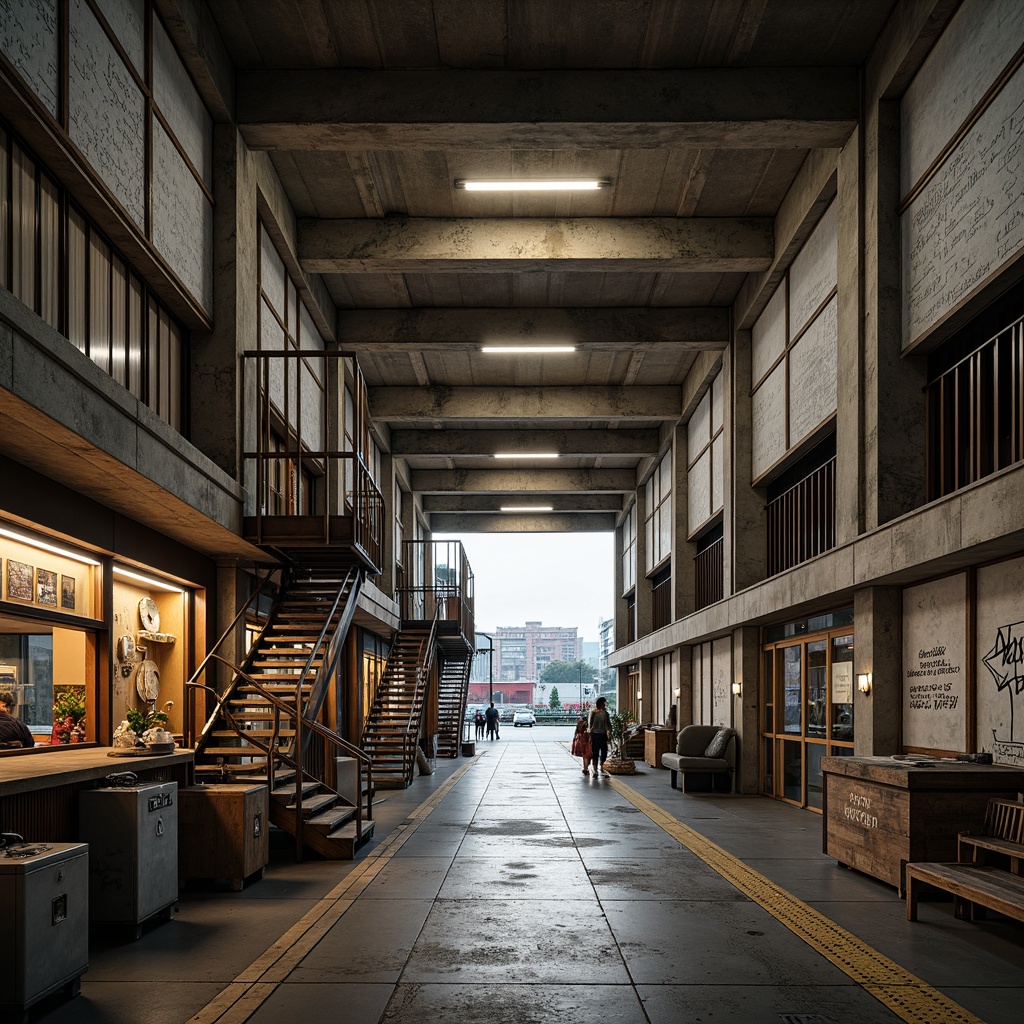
(33,772)
(936,774)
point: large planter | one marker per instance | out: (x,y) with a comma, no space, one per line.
(620,766)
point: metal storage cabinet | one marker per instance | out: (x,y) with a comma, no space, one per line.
(44,922)
(132,834)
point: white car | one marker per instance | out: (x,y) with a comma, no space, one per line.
(524,718)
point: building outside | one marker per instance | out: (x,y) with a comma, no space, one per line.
(523,652)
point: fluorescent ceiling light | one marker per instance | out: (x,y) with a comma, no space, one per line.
(31,542)
(527,508)
(526,455)
(148,580)
(533,185)
(537,350)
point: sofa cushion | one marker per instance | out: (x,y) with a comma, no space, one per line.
(678,763)
(718,745)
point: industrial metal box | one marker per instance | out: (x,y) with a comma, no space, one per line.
(44,921)
(132,832)
(225,832)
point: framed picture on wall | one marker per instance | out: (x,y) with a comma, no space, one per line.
(46,587)
(67,592)
(20,578)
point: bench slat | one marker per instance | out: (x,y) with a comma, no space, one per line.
(989,887)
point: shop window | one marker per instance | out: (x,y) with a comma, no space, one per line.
(50,596)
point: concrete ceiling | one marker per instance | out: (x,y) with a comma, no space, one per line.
(700,112)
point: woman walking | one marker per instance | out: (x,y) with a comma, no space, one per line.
(581,743)
(600,726)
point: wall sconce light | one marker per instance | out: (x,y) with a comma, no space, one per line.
(864,682)
(639,694)
(737,688)
(676,693)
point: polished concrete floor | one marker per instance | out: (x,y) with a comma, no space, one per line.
(511,888)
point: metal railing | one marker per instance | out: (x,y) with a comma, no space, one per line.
(304,464)
(708,574)
(440,584)
(801,522)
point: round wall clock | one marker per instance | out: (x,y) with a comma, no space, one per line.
(147,680)
(149,614)
(125,647)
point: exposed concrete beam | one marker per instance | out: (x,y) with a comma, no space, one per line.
(396,404)
(404,245)
(487,442)
(491,503)
(807,199)
(733,108)
(381,330)
(549,522)
(523,481)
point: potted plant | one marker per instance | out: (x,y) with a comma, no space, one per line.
(69,715)
(138,722)
(618,763)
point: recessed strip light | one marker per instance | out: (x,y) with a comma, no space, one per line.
(526,455)
(42,546)
(527,508)
(148,580)
(535,350)
(533,185)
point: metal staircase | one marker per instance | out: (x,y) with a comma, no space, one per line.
(452,694)
(392,727)
(264,726)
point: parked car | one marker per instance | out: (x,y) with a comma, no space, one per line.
(524,718)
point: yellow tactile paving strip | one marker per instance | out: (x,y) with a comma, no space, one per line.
(240,999)
(906,995)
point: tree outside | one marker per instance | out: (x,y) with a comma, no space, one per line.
(554,703)
(564,673)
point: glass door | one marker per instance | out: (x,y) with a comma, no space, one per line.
(807,712)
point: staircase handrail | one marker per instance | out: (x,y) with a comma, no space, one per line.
(296,762)
(191,684)
(318,689)
(423,670)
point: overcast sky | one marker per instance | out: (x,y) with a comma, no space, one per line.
(560,579)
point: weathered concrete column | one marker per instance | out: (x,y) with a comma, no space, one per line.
(684,579)
(645,706)
(746,662)
(850,427)
(878,649)
(643,584)
(895,427)
(386,581)
(621,607)
(743,515)
(216,385)
(684,702)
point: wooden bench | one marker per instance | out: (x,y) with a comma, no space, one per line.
(971,887)
(976,885)
(1004,834)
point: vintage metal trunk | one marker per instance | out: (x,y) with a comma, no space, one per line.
(133,850)
(44,926)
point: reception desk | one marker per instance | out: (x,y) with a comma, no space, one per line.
(880,813)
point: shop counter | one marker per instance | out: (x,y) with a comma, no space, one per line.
(39,791)
(880,812)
